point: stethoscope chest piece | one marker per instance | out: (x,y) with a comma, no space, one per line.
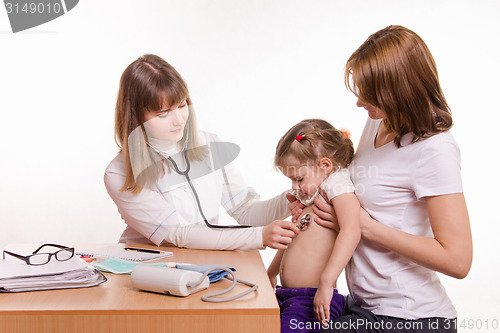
(304,222)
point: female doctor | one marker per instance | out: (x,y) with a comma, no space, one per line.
(167,181)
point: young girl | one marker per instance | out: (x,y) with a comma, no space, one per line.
(155,125)
(315,155)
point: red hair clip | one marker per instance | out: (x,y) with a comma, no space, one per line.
(299,137)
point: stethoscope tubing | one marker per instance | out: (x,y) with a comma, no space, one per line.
(185,173)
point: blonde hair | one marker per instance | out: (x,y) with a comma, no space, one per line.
(145,85)
(318,139)
(394,71)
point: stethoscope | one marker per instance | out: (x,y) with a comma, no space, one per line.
(185,173)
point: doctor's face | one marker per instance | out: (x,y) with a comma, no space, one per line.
(167,124)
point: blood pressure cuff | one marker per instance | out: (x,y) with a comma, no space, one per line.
(214,276)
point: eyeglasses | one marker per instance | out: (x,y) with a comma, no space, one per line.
(37,259)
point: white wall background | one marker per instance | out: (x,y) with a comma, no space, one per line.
(254,69)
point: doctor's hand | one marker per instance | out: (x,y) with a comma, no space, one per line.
(295,206)
(325,214)
(279,234)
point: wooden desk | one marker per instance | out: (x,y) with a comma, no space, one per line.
(116,306)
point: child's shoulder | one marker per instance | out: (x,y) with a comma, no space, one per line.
(341,174)
(337,183)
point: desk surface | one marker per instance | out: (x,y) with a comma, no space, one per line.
(116,306)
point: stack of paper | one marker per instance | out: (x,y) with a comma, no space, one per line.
(16,275)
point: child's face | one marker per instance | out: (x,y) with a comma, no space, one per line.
(306,179)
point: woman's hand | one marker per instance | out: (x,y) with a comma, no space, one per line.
(325,214)
(295,207)
(279,234)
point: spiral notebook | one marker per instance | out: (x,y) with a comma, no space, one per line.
(119,252)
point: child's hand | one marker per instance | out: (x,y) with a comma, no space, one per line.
(273,278)
(322,301)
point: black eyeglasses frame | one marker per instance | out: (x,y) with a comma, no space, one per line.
(27,259)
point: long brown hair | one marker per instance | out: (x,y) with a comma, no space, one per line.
(318,139)
(394,71)
(145,85)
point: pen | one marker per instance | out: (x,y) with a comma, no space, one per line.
(142,250)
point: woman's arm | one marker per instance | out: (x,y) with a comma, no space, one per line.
(448,252)
(257,212)
(243,203)
(199,236)
(154,216)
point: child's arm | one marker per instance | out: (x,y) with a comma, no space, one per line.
(274,268)
(347,210)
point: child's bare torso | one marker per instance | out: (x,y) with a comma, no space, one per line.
(306,257)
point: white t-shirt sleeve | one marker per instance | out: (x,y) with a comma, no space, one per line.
(438,169)
(337,183)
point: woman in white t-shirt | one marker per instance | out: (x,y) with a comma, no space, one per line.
(170,179)
(406,173)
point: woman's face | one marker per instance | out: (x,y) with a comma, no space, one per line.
(373,112)
(168,123)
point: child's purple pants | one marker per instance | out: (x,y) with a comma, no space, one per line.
(297,309)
